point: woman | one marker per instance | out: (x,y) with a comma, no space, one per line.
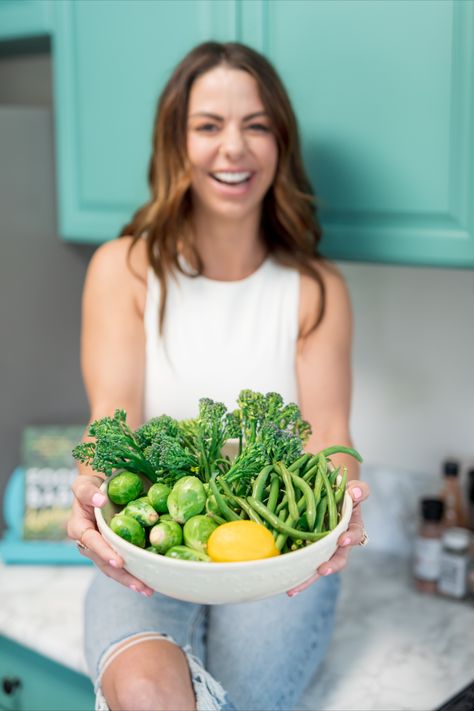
(214,286)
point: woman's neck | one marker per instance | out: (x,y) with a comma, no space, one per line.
(229,250)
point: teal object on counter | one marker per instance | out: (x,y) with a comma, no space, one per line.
(31,682)
(13,549)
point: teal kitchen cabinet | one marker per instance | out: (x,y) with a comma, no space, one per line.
(384,94)
(30,682)
(24,19)
(111,60)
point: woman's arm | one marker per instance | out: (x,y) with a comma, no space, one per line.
(113,365)
(324,365)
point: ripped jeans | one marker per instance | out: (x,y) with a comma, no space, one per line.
(255,656)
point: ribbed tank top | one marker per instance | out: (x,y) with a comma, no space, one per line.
(220,337)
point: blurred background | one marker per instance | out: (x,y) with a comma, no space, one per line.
(383,92)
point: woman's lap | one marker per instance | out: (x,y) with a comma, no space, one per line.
(263,653)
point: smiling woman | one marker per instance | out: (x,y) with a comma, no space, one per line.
(216,285)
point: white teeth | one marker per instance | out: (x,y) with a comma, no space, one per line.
(232,177)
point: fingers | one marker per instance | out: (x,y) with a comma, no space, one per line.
(303,586)
(86,489)
(358,490)
(109,567)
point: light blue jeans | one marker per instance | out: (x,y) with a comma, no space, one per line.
(259,656)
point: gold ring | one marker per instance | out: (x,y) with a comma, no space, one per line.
(81,546)
(365,538)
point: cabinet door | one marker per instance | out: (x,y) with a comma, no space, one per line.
(30,682)
(384,93)
(22,19)
(111,60)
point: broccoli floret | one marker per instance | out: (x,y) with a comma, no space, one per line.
(170,458)
(115,447)
(147,433)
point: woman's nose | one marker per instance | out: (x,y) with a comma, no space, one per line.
(233,142)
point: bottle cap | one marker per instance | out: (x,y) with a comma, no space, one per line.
(451,467)
(457,539)
(432,509)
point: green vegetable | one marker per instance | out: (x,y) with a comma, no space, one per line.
(124,487)
(115,447)
(158,495)
(142,511)
(284,527)
(185,553)
(196,532)
(129,529)
(187,498)
(224,510)
(166,534)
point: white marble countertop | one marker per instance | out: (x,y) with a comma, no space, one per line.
(393,649)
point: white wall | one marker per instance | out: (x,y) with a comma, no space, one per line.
(413,361)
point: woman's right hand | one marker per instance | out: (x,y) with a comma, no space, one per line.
(82,529)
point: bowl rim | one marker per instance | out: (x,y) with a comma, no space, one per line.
(214,565)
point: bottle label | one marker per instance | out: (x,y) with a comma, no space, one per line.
(427,558)
(453,574)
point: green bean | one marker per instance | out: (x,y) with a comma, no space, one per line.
(340,449)
(339,493)
(332,476)
(253,515)
(284,527)
(274,493)
(290,492)
(260,481)
(216,518)
(331,504)
(309,498)
(308,475)
(312,461)
(225,510)
(298,462)
(321,514)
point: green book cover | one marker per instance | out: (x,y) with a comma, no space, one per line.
(49,472)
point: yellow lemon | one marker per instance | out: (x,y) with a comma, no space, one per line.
(241,540)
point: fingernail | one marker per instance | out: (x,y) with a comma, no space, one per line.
(328,571)
(345,542)
(113,563)
(356,492)
(99,499)
(134,588)
(293,594)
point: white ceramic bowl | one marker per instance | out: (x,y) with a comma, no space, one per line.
(221,583)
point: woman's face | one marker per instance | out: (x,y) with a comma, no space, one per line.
(231,147)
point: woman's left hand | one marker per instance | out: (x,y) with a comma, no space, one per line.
(354,536)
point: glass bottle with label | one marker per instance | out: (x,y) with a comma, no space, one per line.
(454,562)
(451,494)
(426,564)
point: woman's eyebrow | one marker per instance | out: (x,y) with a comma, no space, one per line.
(216,117)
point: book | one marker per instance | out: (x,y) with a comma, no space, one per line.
(46,456)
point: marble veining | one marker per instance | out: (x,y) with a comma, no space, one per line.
(393,649)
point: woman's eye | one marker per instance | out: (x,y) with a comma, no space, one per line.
(207,127)
(259,127)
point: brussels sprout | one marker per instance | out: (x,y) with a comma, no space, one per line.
(157,496)
(129,529)
(165,535)
(142,511)
(185,553)
(197,530)
(187,498)
(124,487)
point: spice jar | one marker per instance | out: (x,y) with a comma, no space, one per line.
(454,562)
(451,494)
(426,564)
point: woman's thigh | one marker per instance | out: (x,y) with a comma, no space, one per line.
(265,653)
(113,613)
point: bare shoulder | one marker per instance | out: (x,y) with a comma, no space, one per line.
(337,304)
(118,271)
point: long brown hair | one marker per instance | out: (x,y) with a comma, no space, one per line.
(288,223)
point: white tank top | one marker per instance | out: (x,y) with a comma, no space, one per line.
(220,337)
